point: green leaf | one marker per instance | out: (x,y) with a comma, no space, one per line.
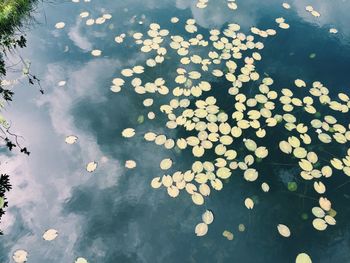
(304,216)
(2,202)
(140,119)
(292,186)
(312,55)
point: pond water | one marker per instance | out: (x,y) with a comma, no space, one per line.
(113,214)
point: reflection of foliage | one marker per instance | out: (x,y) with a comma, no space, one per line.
(5,186)
(13,13)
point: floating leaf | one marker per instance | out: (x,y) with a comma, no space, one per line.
(223,173)
(250,145)
(283,230)
(91,167)
(81,260)
(201,229)
(128,132)
(197,199)
(261,152)
(71,139)
(60,25)
(330,220)
(319,224)
(318,212)
(305,165)
(300,83)
(265,187)
(325,204)
(285,147)
(96,52)
(173,191)
(156,182)
(228,235)
(292,186)
(130,164)
(312,55)
(50,234)
(319,187)
(165,164)
(303,258)
(250,174)
(208,217)
(20,256)
(249,203)
(286,5)
(241,228)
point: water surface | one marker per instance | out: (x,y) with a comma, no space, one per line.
(113,215)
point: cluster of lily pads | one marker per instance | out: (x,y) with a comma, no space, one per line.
(230,56)
(213,128)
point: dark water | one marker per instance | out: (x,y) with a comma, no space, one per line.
(113,215)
